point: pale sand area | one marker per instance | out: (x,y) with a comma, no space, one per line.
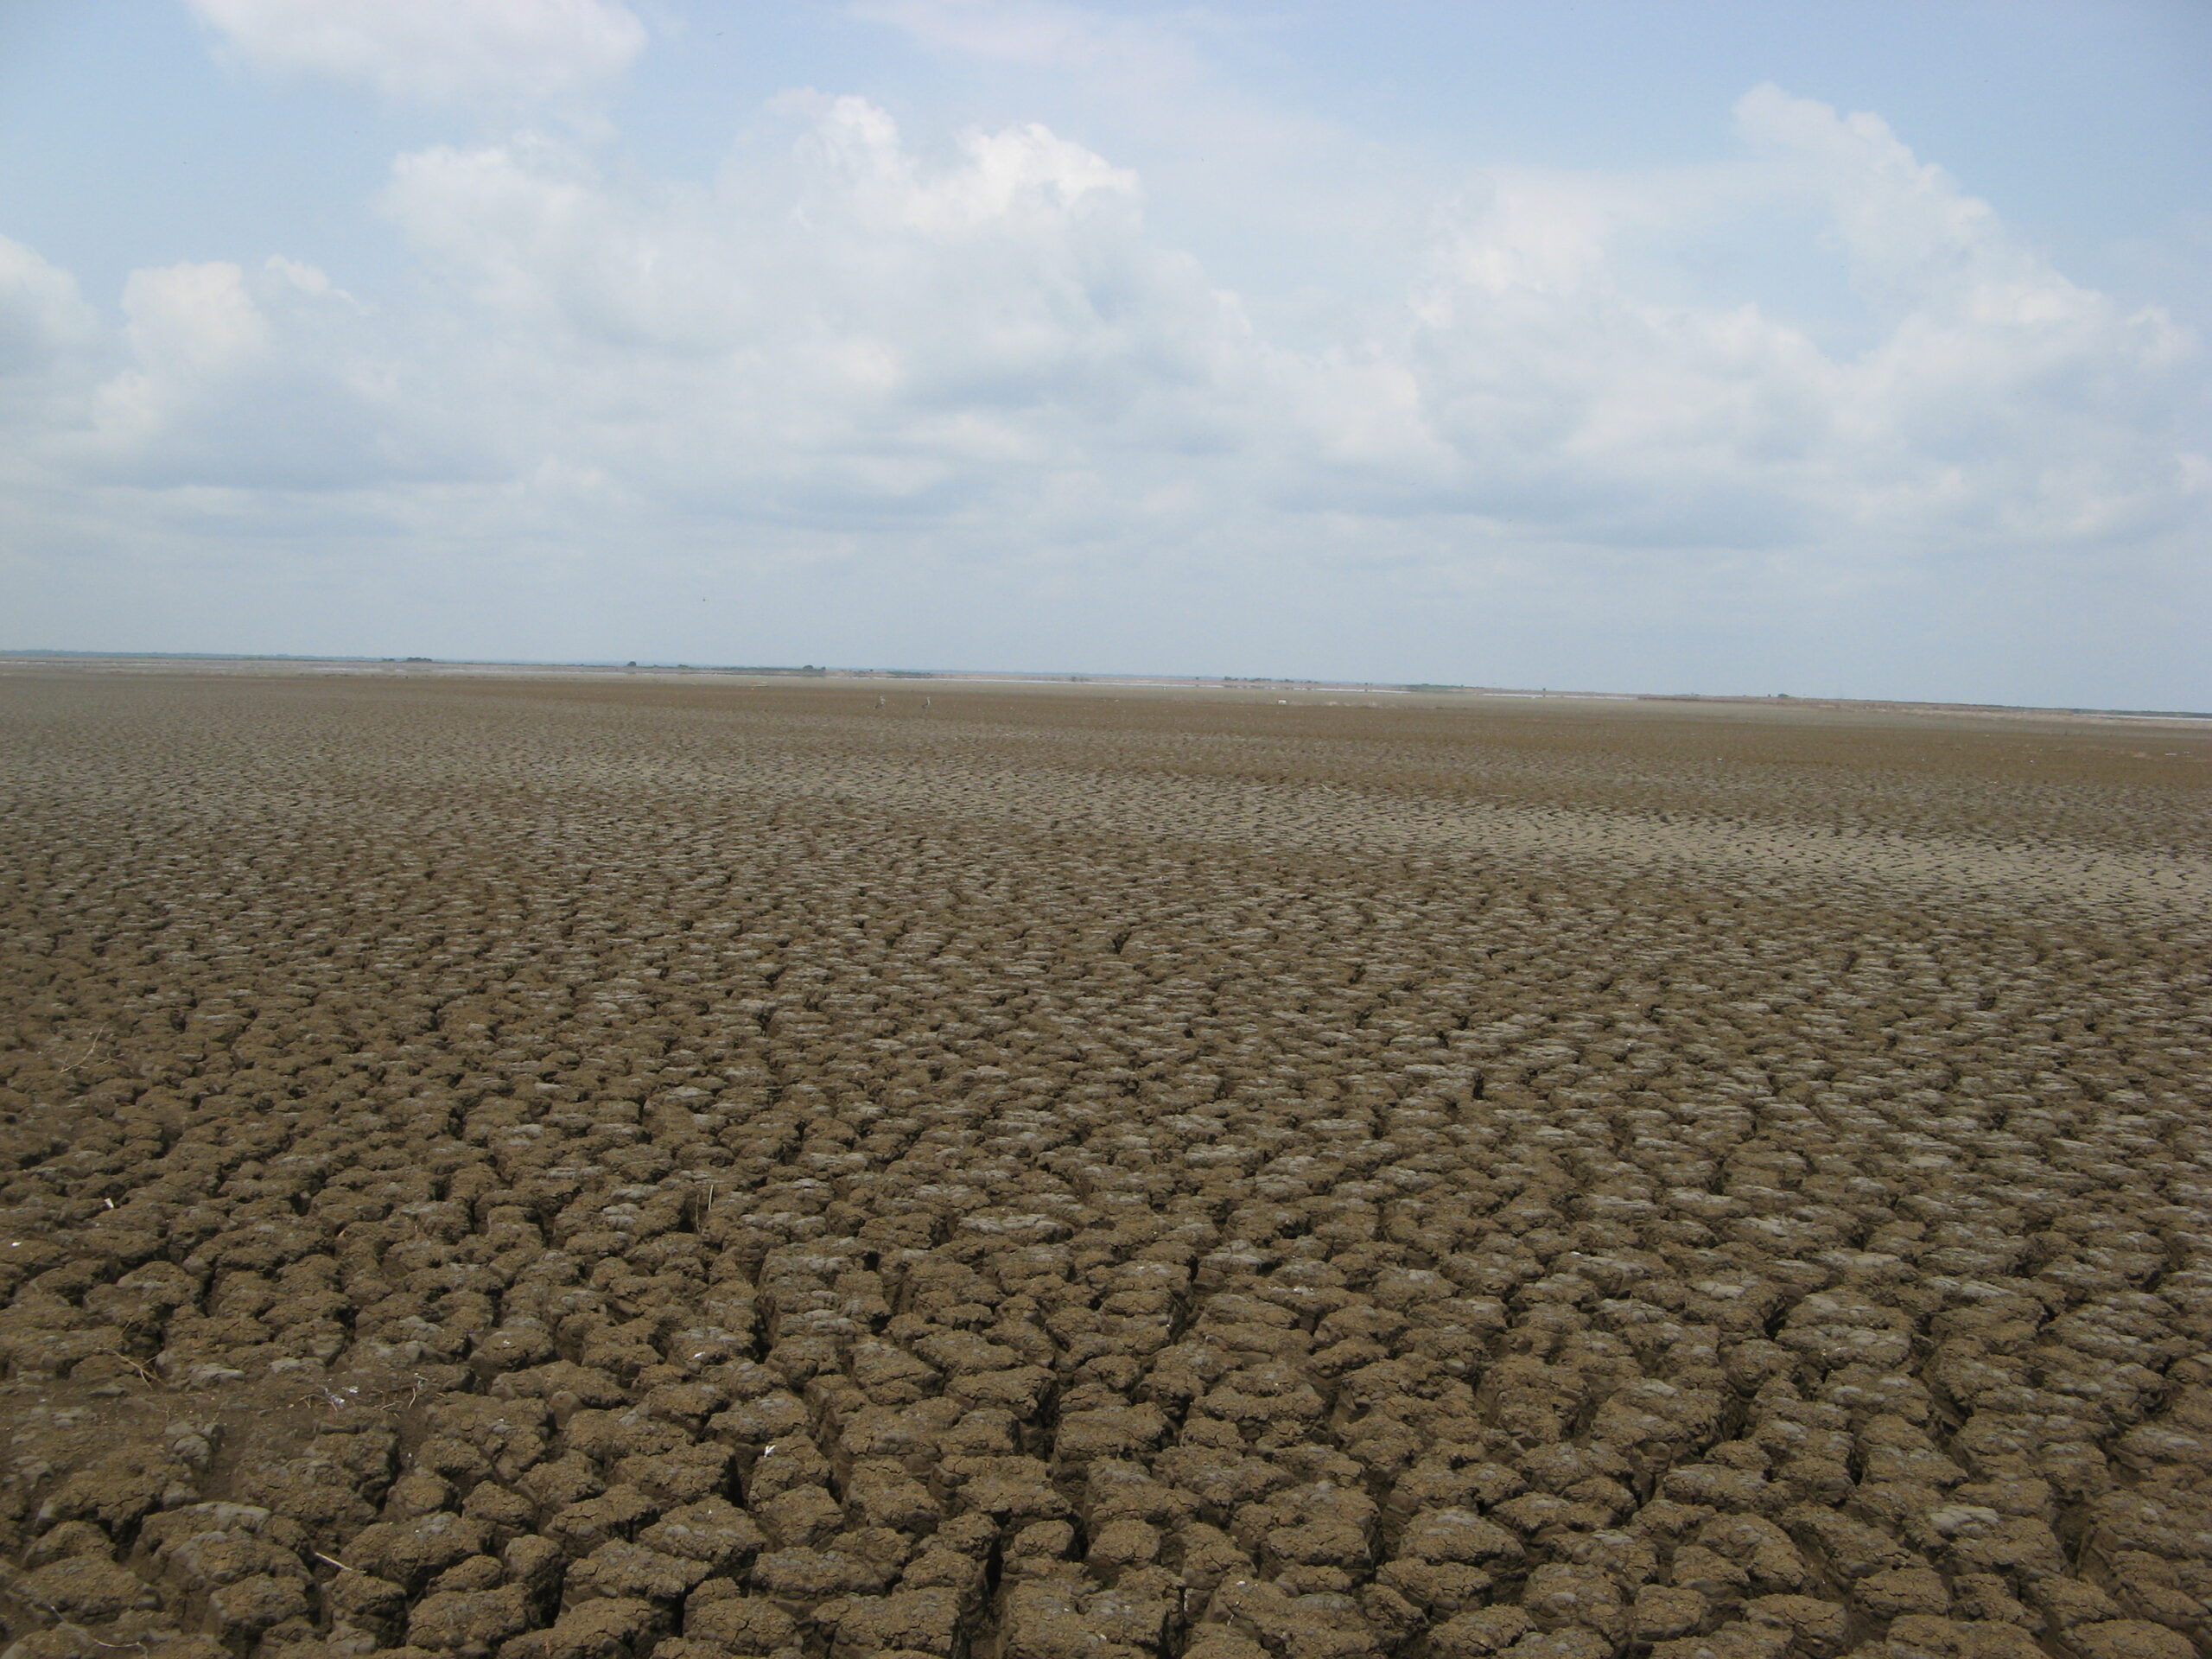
(1140,782)
(1343,821)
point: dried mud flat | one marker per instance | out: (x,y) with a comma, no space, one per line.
(574,1171)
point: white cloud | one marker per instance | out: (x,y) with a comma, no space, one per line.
(43,315)
(1996,400)
(438,50)
(1042,34)
(849,326)
(192,320)
(252,379)
(872,352)
(851,329)
(50,347)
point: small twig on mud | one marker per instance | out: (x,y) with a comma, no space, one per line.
(146,1374)
(337,1401)
(24,1592)
(89,1049)
(385,1397)
(336,1562)
(345,1399)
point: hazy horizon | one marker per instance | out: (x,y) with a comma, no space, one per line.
(1715,348)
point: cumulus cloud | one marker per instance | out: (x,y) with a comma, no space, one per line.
(846,325)
(1995,398)
(42,315)
(856,327)
(983,345)
(1041,34)
(267,379)
(853,324)
(438,50)
(50,342)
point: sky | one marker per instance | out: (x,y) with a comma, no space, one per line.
(1840,350)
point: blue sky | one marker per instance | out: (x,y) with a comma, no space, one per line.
(1840,350)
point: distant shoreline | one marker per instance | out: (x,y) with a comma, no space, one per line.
(810,674)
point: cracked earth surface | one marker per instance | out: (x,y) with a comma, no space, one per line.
(558,1169)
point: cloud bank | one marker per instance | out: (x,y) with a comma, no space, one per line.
(444,51)
(853,347)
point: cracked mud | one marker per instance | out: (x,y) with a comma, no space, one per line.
(562,1170)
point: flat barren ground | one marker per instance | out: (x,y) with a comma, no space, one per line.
(573,1169)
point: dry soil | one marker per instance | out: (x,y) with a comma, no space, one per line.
(578,1170)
